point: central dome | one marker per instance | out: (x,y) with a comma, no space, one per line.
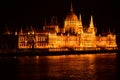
(71,17)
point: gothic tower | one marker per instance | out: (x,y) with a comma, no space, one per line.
(91,28)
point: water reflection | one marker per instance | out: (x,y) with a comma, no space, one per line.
(64,67)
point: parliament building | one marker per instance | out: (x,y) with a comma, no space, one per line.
(72,36)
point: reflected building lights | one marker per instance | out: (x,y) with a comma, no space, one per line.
(37,57)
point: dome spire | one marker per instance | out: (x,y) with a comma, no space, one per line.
(80,17)
(71,7)
(80,20)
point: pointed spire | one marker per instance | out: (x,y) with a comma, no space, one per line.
(109,30)
(71,7)
(52,19)
(7,31)
(31,28)
(80,19)
(16,32)
(91,22)
(91,27)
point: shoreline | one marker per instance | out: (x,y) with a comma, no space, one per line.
(52,53)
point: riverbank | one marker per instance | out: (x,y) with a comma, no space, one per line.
(46,52)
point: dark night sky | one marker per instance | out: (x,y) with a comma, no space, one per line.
(25,13)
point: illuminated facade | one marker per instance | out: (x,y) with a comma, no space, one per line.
(71,36)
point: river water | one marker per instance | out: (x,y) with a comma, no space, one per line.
(102,66)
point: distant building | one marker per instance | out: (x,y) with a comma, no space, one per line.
(72,35)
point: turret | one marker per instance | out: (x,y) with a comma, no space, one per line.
(91,22)
(80,25)
(91,28)
(21,31)
(80,20)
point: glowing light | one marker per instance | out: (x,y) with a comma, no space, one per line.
(73,36)
(37,57)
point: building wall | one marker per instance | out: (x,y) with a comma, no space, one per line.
(41,41)
(86,40)
(89,40)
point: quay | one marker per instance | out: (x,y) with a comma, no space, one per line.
(46,52)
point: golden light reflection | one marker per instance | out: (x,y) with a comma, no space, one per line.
(89,56)
(37,57)
(56,57)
